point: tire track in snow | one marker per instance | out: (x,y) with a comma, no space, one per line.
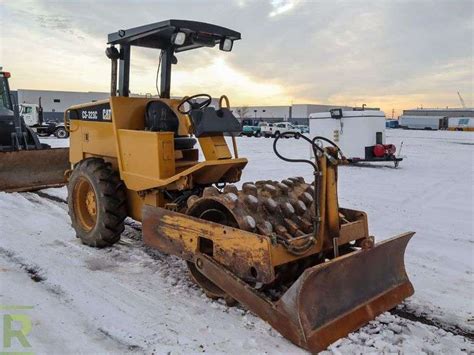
(34,271)
(147,292)
(401,311)
(406,313)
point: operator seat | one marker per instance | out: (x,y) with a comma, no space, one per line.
(160,118)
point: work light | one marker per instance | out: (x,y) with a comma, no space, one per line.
(179,38)
(226,45)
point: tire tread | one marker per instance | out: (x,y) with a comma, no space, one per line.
(111,202)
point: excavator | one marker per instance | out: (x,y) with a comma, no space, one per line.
(285,250)
(26,164)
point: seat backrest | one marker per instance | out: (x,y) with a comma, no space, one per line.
(160,118)
(210,121)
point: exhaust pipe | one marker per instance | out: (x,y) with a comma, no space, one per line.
(113,54)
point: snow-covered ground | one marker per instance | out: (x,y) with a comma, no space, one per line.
(131,299)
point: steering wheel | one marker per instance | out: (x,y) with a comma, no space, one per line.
(194,105)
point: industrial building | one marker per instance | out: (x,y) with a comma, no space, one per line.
(296,113)
(54,103)
(433,118)
(444,112)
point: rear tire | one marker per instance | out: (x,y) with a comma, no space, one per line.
(276,134)
(97,203)
(61,133)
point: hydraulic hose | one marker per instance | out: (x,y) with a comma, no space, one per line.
(321,138)
(300,250)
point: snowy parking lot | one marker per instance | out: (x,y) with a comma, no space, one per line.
(129,299)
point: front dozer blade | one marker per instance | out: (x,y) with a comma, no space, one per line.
(27,170)
(330,300)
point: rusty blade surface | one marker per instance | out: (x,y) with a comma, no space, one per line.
(250,298)
(329,300)
(335,298)
(29,170)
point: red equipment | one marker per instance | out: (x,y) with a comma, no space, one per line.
(381,150)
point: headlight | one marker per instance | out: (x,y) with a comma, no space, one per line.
(179,38)
(226,45)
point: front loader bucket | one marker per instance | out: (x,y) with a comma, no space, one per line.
(28,170)
(330,300)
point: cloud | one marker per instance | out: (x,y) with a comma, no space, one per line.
(391,53)
(223,78)
(282,6)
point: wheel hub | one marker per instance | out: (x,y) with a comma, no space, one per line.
(91,203)
(85,204)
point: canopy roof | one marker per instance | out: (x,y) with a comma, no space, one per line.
(159,35)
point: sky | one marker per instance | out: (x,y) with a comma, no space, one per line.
(389,54)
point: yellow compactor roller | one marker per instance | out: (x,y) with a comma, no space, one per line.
(285,250)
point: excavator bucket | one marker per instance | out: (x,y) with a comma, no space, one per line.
(329,300)
(28,170)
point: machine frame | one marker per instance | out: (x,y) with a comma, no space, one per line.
(336,280)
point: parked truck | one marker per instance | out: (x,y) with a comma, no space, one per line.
(423,122)
(251,128)
(32,114)
(392,124)
(277,129)
(461,124)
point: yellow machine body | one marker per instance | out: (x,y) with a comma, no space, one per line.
(148,164)
(227,258)
(285,250)
(147,161)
